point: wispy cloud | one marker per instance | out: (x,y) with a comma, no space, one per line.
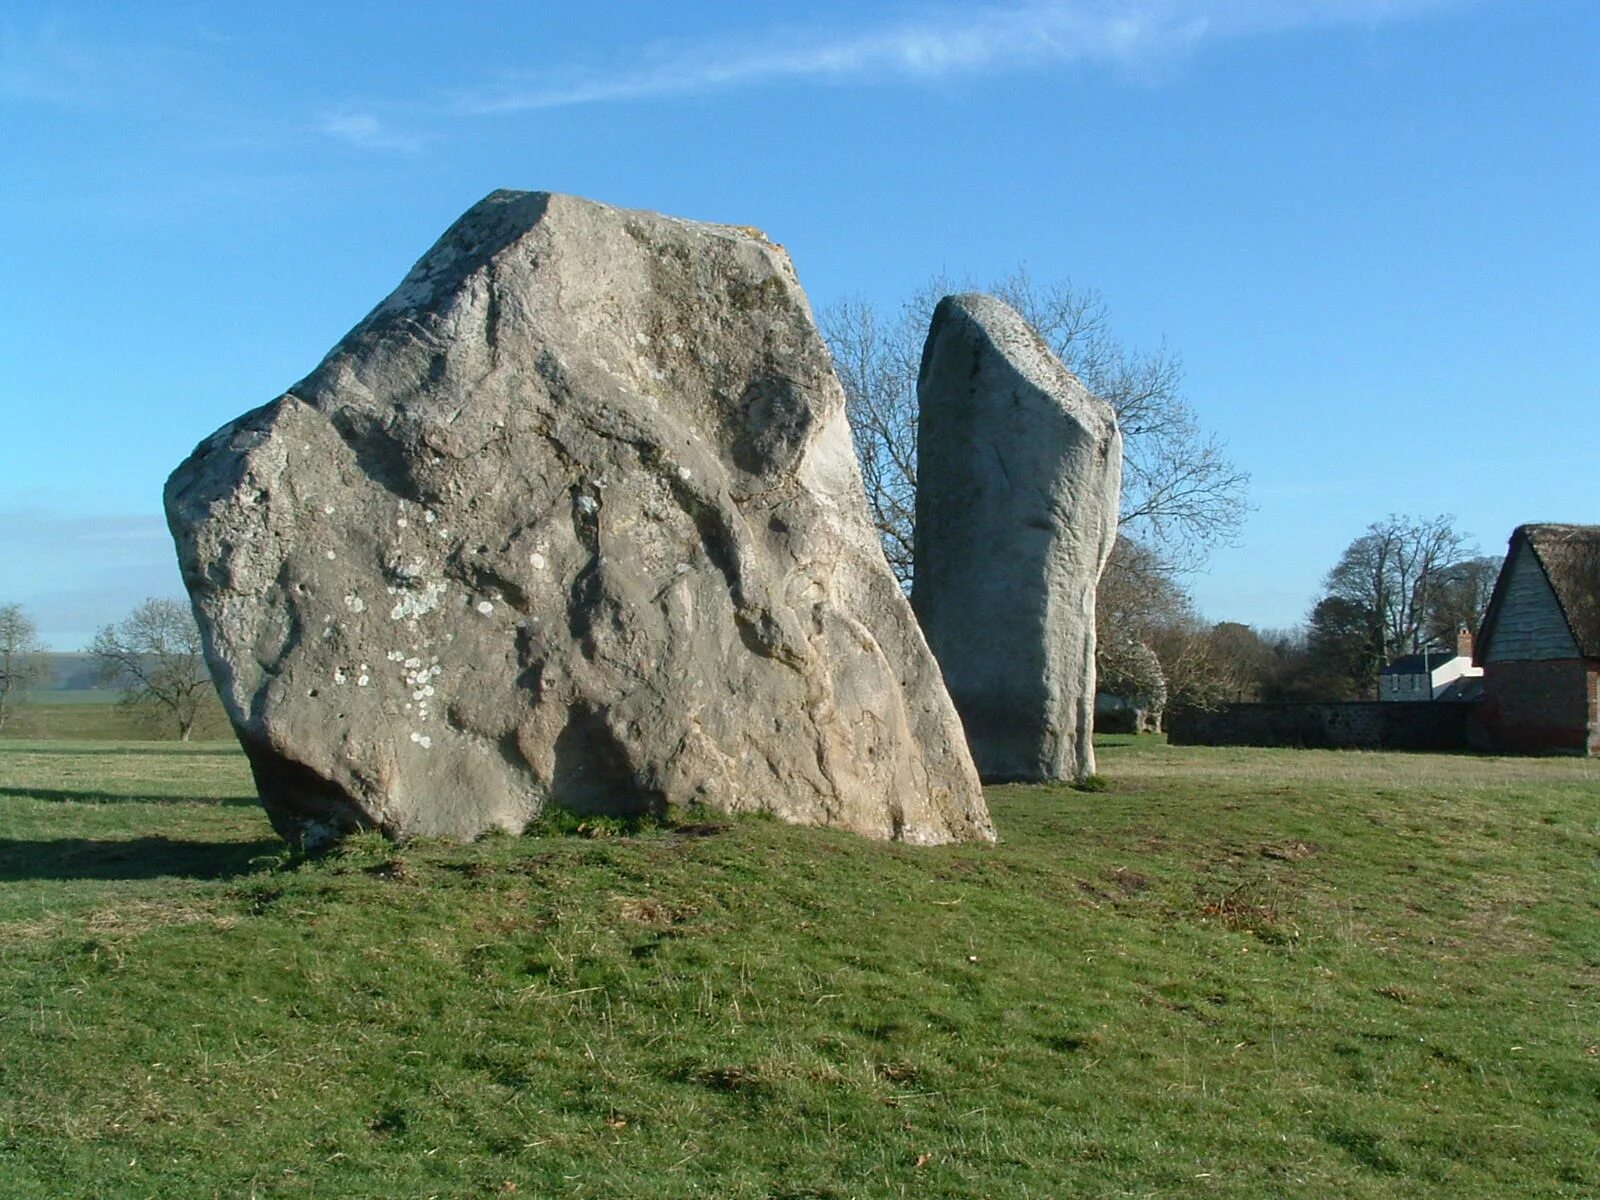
(1132,35)
(53,66)
(367,131)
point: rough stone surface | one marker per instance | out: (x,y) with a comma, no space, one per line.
(573,516)
(1019,471)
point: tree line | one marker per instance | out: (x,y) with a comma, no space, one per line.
(1404,586)
(153,655)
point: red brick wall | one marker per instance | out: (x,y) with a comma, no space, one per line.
(1542,706)
(1594,708)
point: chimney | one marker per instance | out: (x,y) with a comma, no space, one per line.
(1464,642)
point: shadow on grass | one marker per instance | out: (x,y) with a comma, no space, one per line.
(73,796)
(129,858)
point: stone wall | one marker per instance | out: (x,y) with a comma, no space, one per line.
(1354,725)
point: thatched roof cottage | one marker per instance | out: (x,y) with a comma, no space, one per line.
(1540,643)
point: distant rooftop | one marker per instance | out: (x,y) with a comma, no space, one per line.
(1413,664)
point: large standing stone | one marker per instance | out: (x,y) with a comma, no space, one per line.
(572,517)
(1019,471)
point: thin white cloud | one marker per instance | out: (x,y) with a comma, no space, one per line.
(62,68)
(367,131)
(1132,35)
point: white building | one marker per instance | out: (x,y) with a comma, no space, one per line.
(1436,675)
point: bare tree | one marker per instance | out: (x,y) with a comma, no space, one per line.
(1138,594)
(154,655)
(877,364)
(1242,660)
(1188,657)
(1180,494)
(1395,572)
(1141,609)
(1403,586)
(1459,597)
(21,661)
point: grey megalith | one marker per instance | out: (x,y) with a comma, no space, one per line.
(572,517)
(1019,472)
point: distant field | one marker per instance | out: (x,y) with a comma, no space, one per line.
(1234,972)
(99,715)
(50,697)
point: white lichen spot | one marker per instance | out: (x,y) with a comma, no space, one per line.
(412,605)
(401,522)
(329,555)
(354,603)
(396,655)
(412,664)
(328,509)
(421,739)
(363,680)
(537,560)
(339,676)
(430,518)
(684,473)
(485,607)
(327,632)
(677,341)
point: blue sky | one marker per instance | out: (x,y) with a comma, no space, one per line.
(1368,226)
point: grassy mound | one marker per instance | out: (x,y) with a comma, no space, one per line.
(1229,972)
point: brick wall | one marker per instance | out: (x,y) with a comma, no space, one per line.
(1544,706)
(1594,709)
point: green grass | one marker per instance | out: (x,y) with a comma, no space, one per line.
(1232,972)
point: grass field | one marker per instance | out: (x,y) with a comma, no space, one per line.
(53,697)
(98,715)
(1241,973)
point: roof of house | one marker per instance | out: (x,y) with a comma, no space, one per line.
(1570,558)
(1468,687)
(1418,664)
